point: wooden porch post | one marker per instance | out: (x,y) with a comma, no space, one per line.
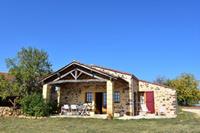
(46,92)
(131,99)
(58,95)
(109,89)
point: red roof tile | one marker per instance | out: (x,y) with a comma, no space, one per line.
(7,76)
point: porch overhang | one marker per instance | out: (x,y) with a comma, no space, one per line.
(76,81)
(80,67)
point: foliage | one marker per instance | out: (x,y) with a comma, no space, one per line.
(28,67)
(187,89)
(53,107)
(162,80)
(7,88)
(34,105)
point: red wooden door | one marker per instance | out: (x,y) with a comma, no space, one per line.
(150,101)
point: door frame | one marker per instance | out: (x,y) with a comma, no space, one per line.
(98,102)
(152,101)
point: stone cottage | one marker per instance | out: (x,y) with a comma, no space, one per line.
(108,91)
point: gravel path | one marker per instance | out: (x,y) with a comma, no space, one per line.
(193,110)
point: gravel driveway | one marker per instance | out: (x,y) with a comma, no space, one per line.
(195,110)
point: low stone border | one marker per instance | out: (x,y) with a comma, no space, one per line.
(10,112)
(7,111)
(31,117)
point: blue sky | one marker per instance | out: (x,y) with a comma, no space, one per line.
(147,38)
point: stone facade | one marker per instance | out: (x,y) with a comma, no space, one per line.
(164,97)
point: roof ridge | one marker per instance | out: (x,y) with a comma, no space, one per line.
(155,83)
(114,70)
(111,69)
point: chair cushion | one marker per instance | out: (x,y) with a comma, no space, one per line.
(66,106)
(73,106)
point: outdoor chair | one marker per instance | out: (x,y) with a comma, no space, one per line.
(121,111)
(80,108)
(90,106)
(85,110)
(74,109)
(162,110)
(144,109)
(65,109)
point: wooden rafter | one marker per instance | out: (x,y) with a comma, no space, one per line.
(54,76)
(79,75)
(64,75)
(76,81)
(89,74)
(76,73)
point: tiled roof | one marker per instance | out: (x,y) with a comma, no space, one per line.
(117,71)
(7,76)
(154,83)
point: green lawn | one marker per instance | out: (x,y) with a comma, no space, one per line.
(185,122)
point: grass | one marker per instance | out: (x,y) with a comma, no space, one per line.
(184,123)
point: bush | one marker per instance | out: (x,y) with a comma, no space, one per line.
(53,107)
(35,105)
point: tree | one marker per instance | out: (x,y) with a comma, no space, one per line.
(8,88)
(162,80)
(187,89)
(5,87)
(28,67)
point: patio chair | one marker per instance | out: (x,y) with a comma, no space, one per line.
(121,111)
(74,109)
(144,109)
(65,109)
(85,110)
(162,110)
(80,108)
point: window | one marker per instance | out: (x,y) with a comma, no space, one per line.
(53,89)
(89,97)
(104,99)
(117,97)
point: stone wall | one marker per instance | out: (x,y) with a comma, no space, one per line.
(164,97)
(124,98)
(7,111)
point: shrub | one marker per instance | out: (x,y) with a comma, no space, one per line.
(35,105)
(53,107)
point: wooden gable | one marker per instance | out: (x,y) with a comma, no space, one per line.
(76,72)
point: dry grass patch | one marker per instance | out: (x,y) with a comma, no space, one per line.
(185,123)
